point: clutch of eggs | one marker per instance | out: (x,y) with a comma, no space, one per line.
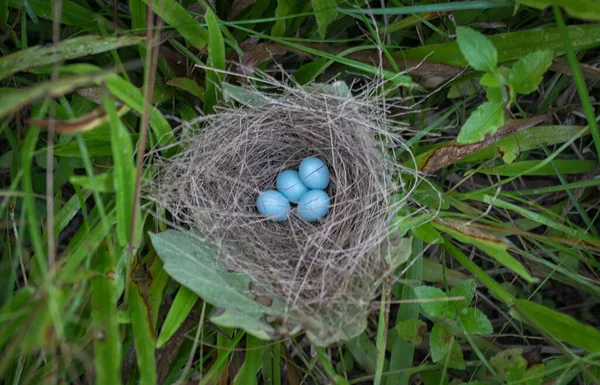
(304,187)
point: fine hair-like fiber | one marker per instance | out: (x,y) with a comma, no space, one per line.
(326,271)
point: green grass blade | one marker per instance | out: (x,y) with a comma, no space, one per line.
(72,13)
(247,375)
(124,174)
(426,8)
(143,335)
(558,325)
(67,50)
(12,100)
(216,61)
(107,344)
(584,96)
(402,354)
(182,305)
(481,275)
(512,45)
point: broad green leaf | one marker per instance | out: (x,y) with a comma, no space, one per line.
(216,61)
(190,260)
(491,80)
(180,19)
(479,52)
(580,9)
(510,46)
(558,325)
(464,289)
(440,342)
(412,330)
(253,323)
(486,119)
(182,305)
(66,50)
(107,344)
(510,364)
(526,74)
(494,95)
(124,177)
(456,359)
(433,299)
(143,335)
(475,322)
(325,13)
(491,246)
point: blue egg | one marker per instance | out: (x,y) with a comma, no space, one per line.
(274,205)
(314,173)
(289,184)
(313,205)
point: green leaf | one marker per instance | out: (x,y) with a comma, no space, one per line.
(188,85)
(71,13)
(558,325)
(182,306)
(182,20)
(440,342)
(103,182)
(526,167)
(486,119)
(283,9)
(491,80)
(412,330)
(479,52)
(434,300)
(526,74)
(216,60)
(464,289)
(580,9)
(494,95)
(325,13)
(475,322)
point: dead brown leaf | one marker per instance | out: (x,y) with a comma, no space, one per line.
(450,153)
(562,66)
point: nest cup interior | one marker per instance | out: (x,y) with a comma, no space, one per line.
(317,268)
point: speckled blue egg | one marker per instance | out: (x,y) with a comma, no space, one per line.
(274,205)
(289,184)
(314,173)
(313,205)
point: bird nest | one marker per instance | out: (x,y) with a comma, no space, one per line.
(326,271)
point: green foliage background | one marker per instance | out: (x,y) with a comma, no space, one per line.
(502,286)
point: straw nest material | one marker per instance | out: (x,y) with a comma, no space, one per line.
(326,271)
